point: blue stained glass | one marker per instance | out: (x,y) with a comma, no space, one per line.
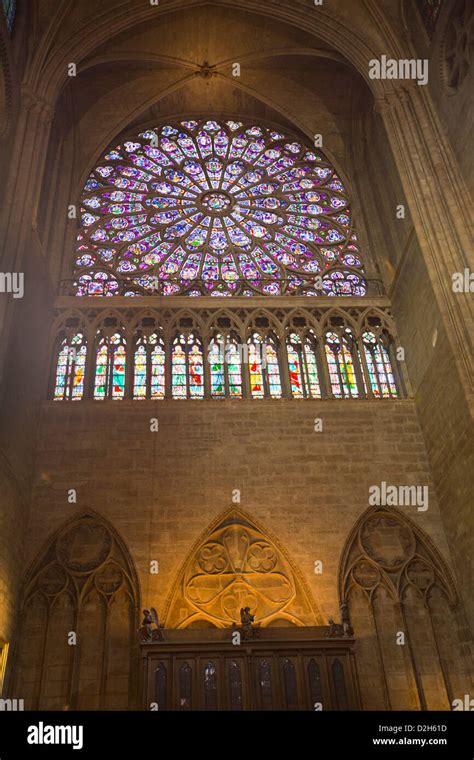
(213,190)
(9,8)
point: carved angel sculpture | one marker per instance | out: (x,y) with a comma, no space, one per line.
(150,629)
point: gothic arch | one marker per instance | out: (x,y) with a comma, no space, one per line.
(401,595)
(352,43)
(79,610)
(237,563)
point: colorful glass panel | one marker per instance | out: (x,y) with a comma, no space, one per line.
(255,351)
(273,370)
(295,369)
(62,368)
(302,368)
(157,369)
(341,367)
(78,374)
(70,368)
(234,369)
(101,366)
(216,208)
(382,381)
(118,368)
(140,372)
(312,376)
(216,362)
(196,369)
(178,371)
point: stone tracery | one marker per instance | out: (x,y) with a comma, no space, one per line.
(216,208)
(236,566)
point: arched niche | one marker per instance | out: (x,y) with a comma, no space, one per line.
(237,564)
(78,620)
(405,613)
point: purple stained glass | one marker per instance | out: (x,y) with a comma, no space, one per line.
(216,208)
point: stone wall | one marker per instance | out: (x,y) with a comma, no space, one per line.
(161,490)
(443,410)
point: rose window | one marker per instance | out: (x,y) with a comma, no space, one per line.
(216,208)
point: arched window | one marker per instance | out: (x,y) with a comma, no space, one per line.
(303,367)
(225,364)
(158,365)
(264,368)
(110,368)
(291,689)
(9,8)
(161,687)
(69,383)
(235,686)
(210,686)
(185,687)
(140,367)
(266,690)
(429,10)
(340,359)
(339,682)
(149,368)
(314,676)
(205,207)
(379,366)
(187,367)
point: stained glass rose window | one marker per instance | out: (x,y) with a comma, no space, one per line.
(216,208)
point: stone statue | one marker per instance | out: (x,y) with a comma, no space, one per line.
(335,630)
(346,620)
(342,629)
(249,631)
(151,630)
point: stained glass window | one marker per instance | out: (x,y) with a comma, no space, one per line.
(291,689)
(266,685)
(255,352)
(379,366)
(216,362)
(303,367)
(157,367)
(430,10)
(160,687)
(185,687)
(9,8)
(225,367)
(273,370)
(118,366)
(210,686)
(140,370)
(110,368)
(149,368)
(203,207)
(339,685)
(264,367)
(235,686)
(339,355)
(70,369)
(187,367)
(315,687)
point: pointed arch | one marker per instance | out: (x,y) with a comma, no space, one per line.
(85,588)
(237,563)
(400,592)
